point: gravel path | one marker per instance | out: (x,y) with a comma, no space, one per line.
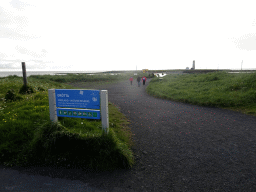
(178,147)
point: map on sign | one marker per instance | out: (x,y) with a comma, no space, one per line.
(73,98)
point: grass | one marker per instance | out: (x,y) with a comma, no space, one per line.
(84,79)
(29,138)
(96,78)
(217,89)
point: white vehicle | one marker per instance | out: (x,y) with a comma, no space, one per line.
(159,74)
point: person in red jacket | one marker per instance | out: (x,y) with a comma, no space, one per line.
(144,79)
(131,79)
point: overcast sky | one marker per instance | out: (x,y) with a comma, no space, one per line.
(98,35)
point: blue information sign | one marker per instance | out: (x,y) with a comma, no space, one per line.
(78,113)
(74,98)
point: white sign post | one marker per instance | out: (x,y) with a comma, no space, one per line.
(74,98)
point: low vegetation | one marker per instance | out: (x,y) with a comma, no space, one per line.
(217,89)
(95,78)
(29,138)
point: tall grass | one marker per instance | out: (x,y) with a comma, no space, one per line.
(29,138)
(217,89)
(70,78)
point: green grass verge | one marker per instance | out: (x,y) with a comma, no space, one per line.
(217,89)
(96,78)
(29,138)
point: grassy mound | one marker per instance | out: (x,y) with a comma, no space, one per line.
(217,89)
(29,138)
(56,145)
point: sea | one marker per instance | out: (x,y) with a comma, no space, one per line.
(28,73)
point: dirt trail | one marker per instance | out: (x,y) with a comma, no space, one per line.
(179,147)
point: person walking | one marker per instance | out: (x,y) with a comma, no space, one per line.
(131,79)
(138,80)
(144,80)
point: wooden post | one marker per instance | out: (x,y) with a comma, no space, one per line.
(24,74)
(104,110)
(52,105)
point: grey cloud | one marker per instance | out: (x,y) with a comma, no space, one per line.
(2,55)
(16,64)
(254,23)
(36,64)
(18,4)
(34,54)
(9,66)
(12,26)
(44,51)
(247,42)
(4,19)
(14,34)
(7,18)
(21,50)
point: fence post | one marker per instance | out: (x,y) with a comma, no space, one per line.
(52,105)
(104,110)
(24,74)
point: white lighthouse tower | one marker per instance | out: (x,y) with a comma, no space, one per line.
(193,65)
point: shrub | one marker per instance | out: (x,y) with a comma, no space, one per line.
(12,76)
(11,96)
(40,89)
(26,90)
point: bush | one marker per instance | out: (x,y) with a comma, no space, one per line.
(12,76)
(40,89)
(11,96)
(26,90)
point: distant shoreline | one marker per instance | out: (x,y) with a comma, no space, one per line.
(29,73)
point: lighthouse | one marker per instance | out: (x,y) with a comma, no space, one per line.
(193,65)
